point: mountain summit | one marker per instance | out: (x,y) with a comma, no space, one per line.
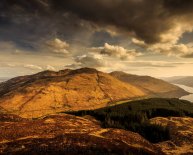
(49,92)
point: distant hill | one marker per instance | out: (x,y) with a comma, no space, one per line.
(184,80)
(152,86)
(2,79)
(49,92)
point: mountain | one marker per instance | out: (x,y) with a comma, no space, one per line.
(50,92)
(69,135)
(151,86)
(184,80)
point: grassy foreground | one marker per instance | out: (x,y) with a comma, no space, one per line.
(135,115)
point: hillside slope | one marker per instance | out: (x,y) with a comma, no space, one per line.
(152,86)
(181,130)
(134,116)
(66,134)
(187,81)
(166,122)
(49,92)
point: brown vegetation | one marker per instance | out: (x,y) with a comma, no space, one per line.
(67,134)
(181,131)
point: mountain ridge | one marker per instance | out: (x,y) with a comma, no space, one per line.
(50,92)
(184,80)
(152,86)
(47,92)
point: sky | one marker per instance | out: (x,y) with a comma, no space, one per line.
(144,37)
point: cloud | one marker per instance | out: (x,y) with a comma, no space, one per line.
(100,57)
(7,65)
(179,50)
(89,60)
(28,66)
(189,55)
(33,67)
(155,64)
(98,61)
(49,67)
(149,20)
(58,46)
(155,25)
(117,52)
(139,43)
(8,46)
(168,48)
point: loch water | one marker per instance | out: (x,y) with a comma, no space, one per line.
(188,89)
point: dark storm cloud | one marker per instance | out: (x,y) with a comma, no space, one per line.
(21,23)
(29,24)
(24,21)
(179,6)
(13,6)
(148,19)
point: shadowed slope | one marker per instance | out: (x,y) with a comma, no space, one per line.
(187,81)
(152,86)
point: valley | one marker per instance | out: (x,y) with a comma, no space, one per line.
(86,111)
(96,77)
